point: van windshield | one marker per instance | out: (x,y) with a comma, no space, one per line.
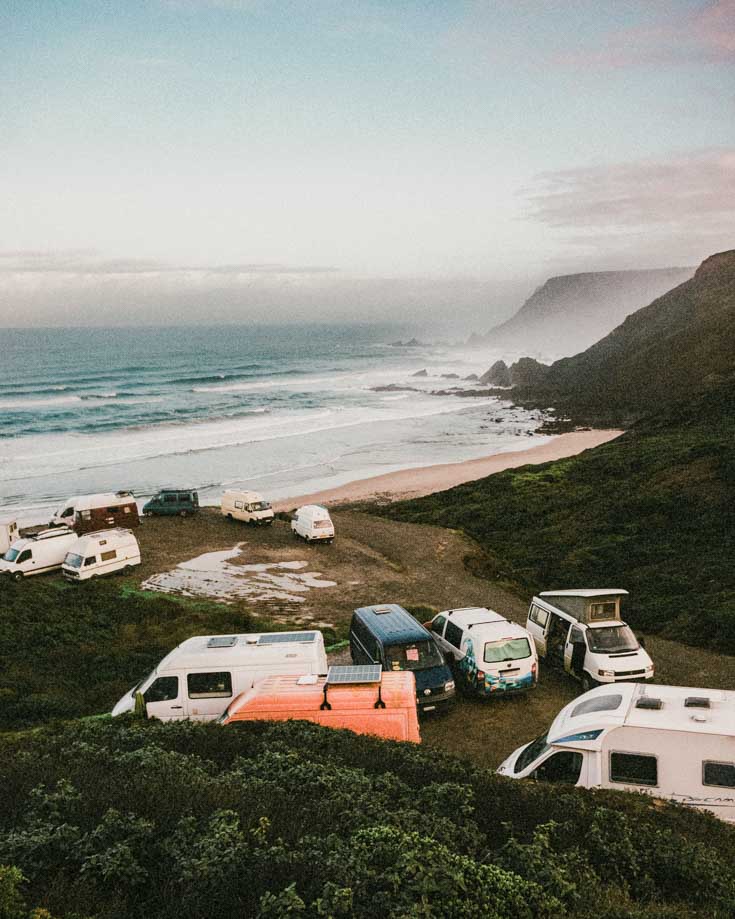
(73,561)
(418,656)
(11,555)
(612,639)
(531,753)
(507,649)
(259,506)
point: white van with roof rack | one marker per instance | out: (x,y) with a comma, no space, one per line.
(669,742)
(37,554)
(101,553)
(581,631)
(313,523)
(489,654)
(202,675)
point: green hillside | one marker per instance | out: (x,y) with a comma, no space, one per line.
(136,820)
(652,511)
(681,344)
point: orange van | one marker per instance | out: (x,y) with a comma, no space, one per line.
(385,707)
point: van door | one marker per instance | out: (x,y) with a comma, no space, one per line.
(25,560)
(564,767)
(575,650)
(163,699)
(208,694)
(557,634)
(537,624)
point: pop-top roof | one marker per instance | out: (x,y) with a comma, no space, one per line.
(586,592)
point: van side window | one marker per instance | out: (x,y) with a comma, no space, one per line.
(238,505)
(437,624)
(90,561)
(183,499)
(576,636)
(209,685)
(169,499)
(720,774)
(108,556)
(163,689)
(563,767)
(539,616)
(24,556)
(86,515)
(633,768)
(453,634)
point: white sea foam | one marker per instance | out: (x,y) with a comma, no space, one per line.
(21,404)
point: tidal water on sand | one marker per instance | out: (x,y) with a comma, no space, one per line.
(282,409)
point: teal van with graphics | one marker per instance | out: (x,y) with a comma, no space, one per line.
(490,655)
(388,635)
(172,502)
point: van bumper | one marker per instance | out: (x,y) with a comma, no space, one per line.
(439,700)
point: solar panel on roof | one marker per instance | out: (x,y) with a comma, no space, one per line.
(365,673)
(276,638)
(222,641)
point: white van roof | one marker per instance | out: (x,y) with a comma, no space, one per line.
(586,593)
(114,533)
(43,536)
(313,510)
(663,708)
(486,623)
(235,650)
(248,496)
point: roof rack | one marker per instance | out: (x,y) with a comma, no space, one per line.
(346,675)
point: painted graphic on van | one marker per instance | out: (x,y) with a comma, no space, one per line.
(468,673)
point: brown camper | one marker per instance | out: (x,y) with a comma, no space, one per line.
(87,513)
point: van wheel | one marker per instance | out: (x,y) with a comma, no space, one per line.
(587,682)
(183,513)
(17,576)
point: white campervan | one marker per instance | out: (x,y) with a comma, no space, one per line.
(8,532)
(248,506)
(312,522)
(45,551)
(489,654)
(666,741)
(581,631)
(101,553)
(201,676)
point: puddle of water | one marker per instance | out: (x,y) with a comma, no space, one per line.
(214,577)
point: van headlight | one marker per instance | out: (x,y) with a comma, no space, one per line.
(449,686)
(606,673)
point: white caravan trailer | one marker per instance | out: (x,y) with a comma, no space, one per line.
(101,553)
(490,655)
(200,677)
(665,741)
(45,551)
(581,631)
(312,522)
(248,506)
(8,533)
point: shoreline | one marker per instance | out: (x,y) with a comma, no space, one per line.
(424,480)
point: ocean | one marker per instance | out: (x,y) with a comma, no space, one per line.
(284,410)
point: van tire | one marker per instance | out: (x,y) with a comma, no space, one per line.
(588,682)
(17,576)
(229,516)
(183,513)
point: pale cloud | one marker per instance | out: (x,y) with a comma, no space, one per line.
(706,34)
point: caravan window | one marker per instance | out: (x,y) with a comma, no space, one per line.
(720,774)
(163,689)
(209,685)
(238,505)
(606,610)
(633,768)
(598,704)
(539,616)
(108,556)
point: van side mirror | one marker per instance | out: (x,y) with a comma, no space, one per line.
(642,640)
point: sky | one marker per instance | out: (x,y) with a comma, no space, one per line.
(223,160)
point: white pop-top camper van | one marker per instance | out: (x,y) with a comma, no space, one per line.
(666,741)
(248,506)
(490,655)
(582,632)
(200,677)
(312,522)
(101,553)
(8,532)
(45,551)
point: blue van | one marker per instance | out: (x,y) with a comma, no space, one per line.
(172,502)
(389,635)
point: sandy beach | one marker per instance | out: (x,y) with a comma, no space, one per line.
(413,483)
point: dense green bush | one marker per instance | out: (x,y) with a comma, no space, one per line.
(138,819)
(653,511)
